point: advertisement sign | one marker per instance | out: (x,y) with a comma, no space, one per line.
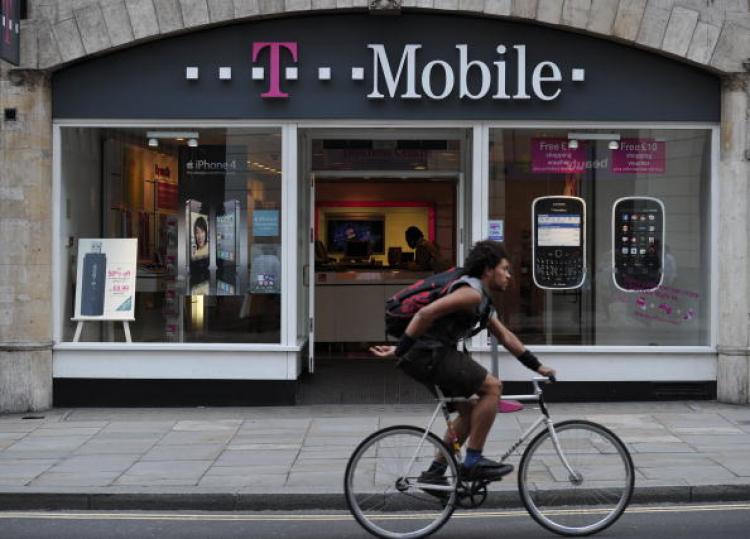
(639,156)
(496,230)
(105,282)
(554,156)
(10,31)
(265,269)
(265,222)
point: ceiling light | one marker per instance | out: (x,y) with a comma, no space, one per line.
(573,144)
(152,142)
(614,145)
(193,143)
(172,134)
(594,136)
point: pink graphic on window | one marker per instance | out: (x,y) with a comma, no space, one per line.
(274,83)
(555,156)
(639,156)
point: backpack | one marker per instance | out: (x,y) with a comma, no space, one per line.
(404,304)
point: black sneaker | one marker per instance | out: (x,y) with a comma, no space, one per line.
(485,470)
(434,478)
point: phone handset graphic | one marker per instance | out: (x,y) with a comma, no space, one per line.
(559,243)
(94,276)
(638,243)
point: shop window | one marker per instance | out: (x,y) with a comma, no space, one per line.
(670,169)
(205,206)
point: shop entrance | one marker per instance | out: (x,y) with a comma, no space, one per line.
(385,208)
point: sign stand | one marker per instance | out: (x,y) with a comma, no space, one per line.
(79,328)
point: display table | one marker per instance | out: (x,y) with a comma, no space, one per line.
(350,305)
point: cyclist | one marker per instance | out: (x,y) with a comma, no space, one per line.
(428,352)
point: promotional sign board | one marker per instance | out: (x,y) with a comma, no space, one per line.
(554,156)
(265,222)
(105,283)
(639,156)
(10,31)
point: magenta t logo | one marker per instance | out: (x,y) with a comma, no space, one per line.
(274,88)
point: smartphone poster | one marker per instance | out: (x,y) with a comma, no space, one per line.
(559,254)
(638,243)
(105,279)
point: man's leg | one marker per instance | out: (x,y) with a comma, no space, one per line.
(461,425)
(484,412)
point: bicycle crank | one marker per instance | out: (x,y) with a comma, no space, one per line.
(471,495)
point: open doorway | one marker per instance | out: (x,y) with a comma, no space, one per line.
(367,188)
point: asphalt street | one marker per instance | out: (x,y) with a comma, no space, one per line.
(659,521)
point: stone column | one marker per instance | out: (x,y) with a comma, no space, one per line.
(25,241)
(733,377)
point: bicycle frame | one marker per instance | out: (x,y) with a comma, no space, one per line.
(545,419)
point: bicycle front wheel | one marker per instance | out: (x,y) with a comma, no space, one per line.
(384,490)
(579,485)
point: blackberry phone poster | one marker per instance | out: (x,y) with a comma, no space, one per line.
(105,280)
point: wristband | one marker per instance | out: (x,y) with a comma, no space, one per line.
(404,345)
(529,360)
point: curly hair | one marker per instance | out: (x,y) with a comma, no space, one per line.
(483,255)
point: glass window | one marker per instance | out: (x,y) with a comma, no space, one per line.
(673,167)
(205,206)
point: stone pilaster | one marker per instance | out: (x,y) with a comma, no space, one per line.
(733,376)
(25,242)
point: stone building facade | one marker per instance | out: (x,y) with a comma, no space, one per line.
(711,34)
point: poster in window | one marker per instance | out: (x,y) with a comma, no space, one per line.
(105,280)
(265,269)
(199,238)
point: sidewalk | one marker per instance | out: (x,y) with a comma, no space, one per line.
(288,458)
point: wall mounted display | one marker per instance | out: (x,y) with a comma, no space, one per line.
(638,243)
(559,242)
(265,223)
(227,233)
(105,283)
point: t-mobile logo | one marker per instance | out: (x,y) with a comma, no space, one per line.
(274,79)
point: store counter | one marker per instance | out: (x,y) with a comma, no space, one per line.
(350,305)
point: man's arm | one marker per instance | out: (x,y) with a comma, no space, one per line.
(514,345)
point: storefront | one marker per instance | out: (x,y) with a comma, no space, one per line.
(270,170)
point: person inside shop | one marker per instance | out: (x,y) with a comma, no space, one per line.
(428,352)
(426,253)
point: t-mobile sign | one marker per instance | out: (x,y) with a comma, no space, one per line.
(10,30)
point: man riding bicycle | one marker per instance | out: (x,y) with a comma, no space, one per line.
(428,352)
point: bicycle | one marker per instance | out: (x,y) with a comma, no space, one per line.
(575,477)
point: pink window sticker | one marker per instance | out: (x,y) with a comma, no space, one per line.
(639,156)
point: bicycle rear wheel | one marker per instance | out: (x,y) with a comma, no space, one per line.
(382,486)
(589,499)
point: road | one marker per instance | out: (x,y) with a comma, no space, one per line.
(728,520)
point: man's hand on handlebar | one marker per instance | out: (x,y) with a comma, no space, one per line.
(385,352)
(549,372)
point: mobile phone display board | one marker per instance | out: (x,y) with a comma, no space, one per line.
(105,282)
(559,243)
(638,243)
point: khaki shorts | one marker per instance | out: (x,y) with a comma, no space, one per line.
(453,371)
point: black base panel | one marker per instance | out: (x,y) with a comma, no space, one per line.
(77,392)
(172,393)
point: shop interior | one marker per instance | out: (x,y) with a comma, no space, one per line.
(368,193)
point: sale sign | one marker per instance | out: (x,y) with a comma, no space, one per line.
(555,156)
(639,156)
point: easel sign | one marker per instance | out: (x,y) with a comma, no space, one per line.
(105,282)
